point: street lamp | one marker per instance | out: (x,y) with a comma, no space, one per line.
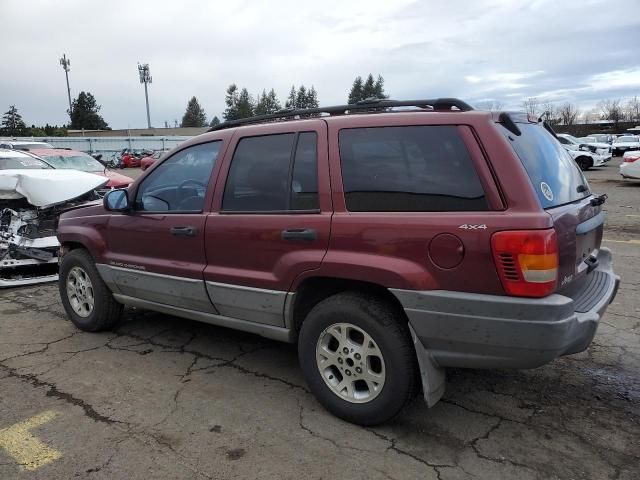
(145,77)
(66,64)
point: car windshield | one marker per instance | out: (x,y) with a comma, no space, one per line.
(30,146)
(554,175)
(627,139)
(84,163)
(21,163)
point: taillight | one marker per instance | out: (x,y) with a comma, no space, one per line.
(527,261)
(630,159)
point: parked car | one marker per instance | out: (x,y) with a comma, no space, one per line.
(625,143)
(32,196)
(585,156)
(630,166)
(22,145)
(388,245)
(149,160)
(602,138)
(602,148)
(75,160)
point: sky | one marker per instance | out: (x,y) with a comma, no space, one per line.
(483,50)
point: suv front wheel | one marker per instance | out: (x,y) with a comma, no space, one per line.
(85,297)
(357,357)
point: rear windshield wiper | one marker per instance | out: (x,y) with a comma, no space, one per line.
(599,200)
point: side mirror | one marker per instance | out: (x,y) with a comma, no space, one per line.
(116,201)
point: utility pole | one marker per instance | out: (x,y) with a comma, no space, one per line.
(145,77)
(66,64)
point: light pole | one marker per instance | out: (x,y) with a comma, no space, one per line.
(66,64)
(145,77)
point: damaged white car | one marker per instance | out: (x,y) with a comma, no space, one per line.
(32,197)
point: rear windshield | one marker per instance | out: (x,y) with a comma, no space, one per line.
(555,177)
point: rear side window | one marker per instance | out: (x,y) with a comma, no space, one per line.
(555,177)
(273,173)
(408,169)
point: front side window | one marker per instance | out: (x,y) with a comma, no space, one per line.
(273,173)
(179,184)
(408,169)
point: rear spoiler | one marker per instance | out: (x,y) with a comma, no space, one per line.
(509,120)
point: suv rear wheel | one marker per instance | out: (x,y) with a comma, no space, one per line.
(85,297)
(357,357)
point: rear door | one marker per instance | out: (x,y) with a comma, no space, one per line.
(271,219)
(156,251)
(564,193)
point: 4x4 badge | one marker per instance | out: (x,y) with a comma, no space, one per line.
(546,191)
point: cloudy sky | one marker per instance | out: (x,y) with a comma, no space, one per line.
(579,51)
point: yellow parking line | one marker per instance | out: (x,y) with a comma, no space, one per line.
(630,215)
(635,242)
(26,449)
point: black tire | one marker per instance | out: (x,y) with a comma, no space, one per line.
(585,163)
(106,311)
(389,330)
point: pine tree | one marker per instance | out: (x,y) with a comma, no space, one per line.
(368,90)
(214,121)
(12,123)
(84,113)
(267,103)
(312,98)
(245,104)
(301,97)
(194,115)
(378,88)
(231,100)
(355,95)
(291,99)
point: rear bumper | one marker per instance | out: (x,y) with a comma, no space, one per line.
(490,331)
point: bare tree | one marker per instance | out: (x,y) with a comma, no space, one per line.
(611,110)
(549,113)
(632,109)
(532,106)
(490,105)
(568,114)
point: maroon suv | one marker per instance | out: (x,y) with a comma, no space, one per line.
(388,243)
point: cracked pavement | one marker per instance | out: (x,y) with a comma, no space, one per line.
(162,397)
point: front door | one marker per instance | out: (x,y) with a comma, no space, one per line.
(155,252)
(271,219)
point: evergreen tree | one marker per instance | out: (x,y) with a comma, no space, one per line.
(194,115)
(267,103)
(245,104)
(378,88)
(355,95)
(368,90)
(231,100)
(12,123)
(312,98)
(291,99)
(214,121)
(301,97)
(84,113)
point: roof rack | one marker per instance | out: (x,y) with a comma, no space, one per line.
(370,104)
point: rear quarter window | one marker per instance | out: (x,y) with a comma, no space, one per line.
(408,169)
(554,175)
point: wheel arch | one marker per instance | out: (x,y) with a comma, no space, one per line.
(313,290)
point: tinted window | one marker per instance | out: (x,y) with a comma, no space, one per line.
(554,175)
(263,177)
(179,183)
(304,182)
(403,169)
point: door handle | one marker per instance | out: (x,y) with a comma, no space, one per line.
(308,234)
(184,231)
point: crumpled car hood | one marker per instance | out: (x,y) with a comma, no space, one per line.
(46,188)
